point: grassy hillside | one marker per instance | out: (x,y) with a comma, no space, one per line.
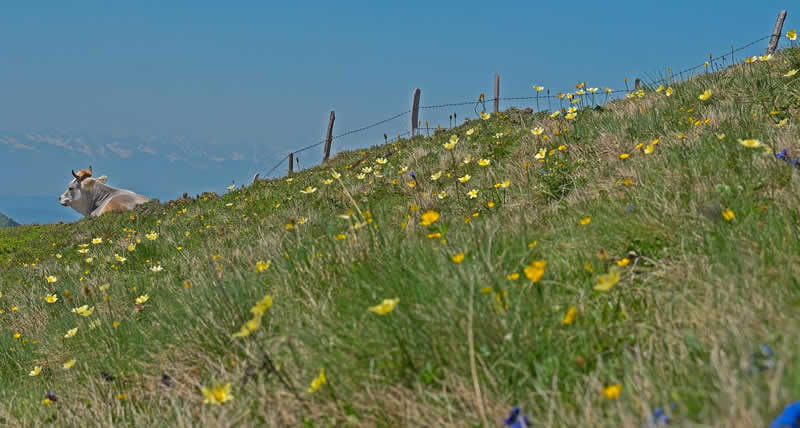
(594,276)
(6,221)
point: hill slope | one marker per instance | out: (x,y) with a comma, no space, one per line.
(589,273)
(7,221)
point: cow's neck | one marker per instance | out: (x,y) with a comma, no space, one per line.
(99,194)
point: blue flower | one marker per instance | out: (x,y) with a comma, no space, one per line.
(790,418)
(516,420)
(412,175)
(629,209)
(781,155)
(660,417)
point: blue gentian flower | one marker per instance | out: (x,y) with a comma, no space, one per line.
(789,418)
(781,155)
(412,175)
(660,417)
(516,420)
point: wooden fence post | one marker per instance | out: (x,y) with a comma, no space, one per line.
(637,83)
(291,163)
(328,137)
(776,33)
(414,112)
(497,92)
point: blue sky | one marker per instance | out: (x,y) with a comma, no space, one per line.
(264,75)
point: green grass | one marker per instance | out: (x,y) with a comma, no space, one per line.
(698,296)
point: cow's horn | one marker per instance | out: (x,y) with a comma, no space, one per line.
(75,175)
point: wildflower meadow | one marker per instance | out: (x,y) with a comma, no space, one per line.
(630,264)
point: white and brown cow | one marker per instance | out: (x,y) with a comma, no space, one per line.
(93,197)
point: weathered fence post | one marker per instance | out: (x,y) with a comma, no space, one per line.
(414,112)
(776,33)
(291,163)
(328,137)
(637,84)
(497,92)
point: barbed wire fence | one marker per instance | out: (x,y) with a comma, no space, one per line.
(713,64)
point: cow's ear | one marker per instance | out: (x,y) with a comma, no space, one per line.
(103,179)
(88,183)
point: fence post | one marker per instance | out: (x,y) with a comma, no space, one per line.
(414,112)
(637,83)
(497,92)
(291,163)
(776,33)
(328,137)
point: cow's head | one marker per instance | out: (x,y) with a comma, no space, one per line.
(78,190)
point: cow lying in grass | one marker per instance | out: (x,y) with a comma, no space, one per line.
(93,197)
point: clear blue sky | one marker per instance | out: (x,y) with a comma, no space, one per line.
(266,74)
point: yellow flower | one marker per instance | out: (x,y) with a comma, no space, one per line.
(612,392)
(308,190)
(458,258)
(327,181)
(35,372)
(69,364)
(385,307)
(571,116)
(441,195)
(71,333)
(623,262)
(485,116)
(51,298)
(335,175)
(465,178)
(624,156)
(790,73)
(586,220)
(51,279)
(261,266)
(428,218)
(436,176)
(17,335)
(541,88)
(470,132)
(381,161)
(89,260)
(535,270)
(361,176)
(317,383)
(791,35)
(96,241)
(570,316)
(513,276)
(669,91)
(151,236)
(142,299)
(649,149)
(783,122)
(484,162)
(217,394)
(132,247)
(83,250)
(767,57)
(728,215)
(541,154)
(83,311)
(449,146)
(555,114)
(751,59)
(157,268)
(537,131)
(750,143)
(119,258)
(608,280)
(705,95)
(473,193)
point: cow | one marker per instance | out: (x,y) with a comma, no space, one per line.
(91,196)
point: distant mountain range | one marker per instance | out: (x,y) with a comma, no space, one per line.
(40,163)
(6,221)
(36,168)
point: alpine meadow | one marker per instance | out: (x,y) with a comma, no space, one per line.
(590,265)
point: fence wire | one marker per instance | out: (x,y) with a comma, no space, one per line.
(601,92)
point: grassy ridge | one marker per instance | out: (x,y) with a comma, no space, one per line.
(698,291)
